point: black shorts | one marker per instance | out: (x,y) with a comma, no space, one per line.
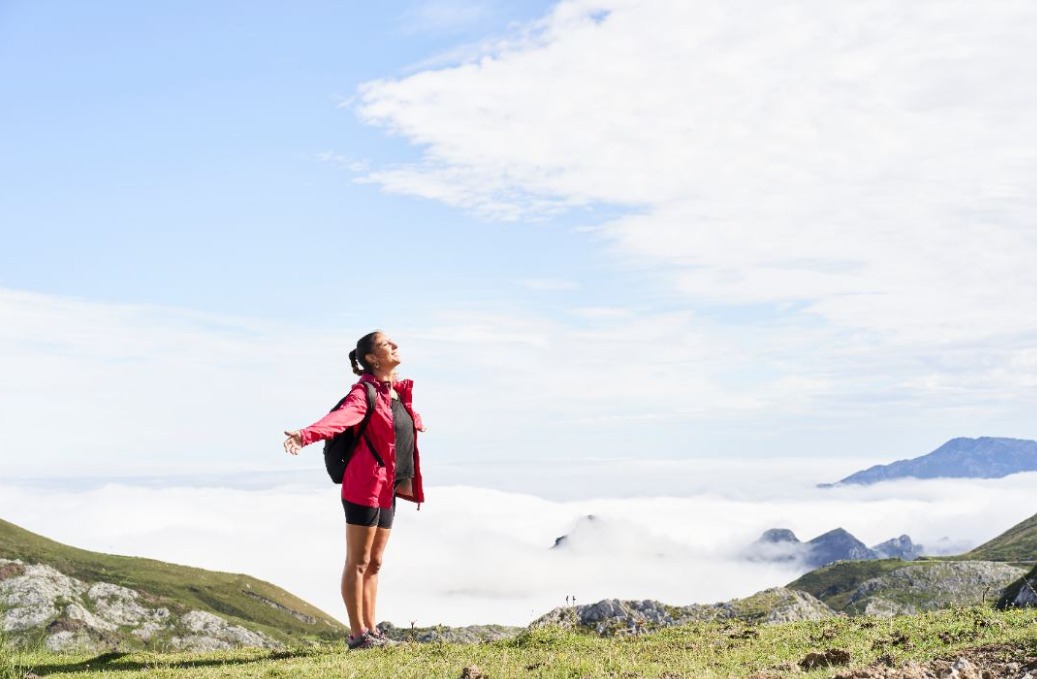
(359,515)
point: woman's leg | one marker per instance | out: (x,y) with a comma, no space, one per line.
(359,541)
(381,537)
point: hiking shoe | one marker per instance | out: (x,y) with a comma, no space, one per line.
(365,640)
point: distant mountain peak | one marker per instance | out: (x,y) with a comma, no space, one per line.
(778,535)
(781,545)
(986,457)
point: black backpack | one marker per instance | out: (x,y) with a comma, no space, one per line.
(339,448)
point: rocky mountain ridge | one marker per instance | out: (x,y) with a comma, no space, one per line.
(781,545)
(614,617)
(986,457)
(906,588)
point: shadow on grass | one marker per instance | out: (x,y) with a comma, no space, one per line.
(113,662)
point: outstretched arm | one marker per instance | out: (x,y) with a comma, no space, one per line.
(337,421)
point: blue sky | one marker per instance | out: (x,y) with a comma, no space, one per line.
(598,229)
(167,154)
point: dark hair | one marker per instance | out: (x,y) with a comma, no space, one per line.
(358,357)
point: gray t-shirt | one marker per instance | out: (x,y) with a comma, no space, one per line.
(403,423)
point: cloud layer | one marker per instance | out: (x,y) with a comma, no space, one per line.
(479,555)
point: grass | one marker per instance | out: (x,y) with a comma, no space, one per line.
(242,599)
(698,650)
(1018,544)
(835,583)
(13,664)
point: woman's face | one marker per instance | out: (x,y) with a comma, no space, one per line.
(385,354)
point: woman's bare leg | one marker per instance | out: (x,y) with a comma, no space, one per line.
(381,537)
(359,540)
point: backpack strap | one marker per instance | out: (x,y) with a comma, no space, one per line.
(363,425)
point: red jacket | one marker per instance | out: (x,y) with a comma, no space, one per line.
(365,482)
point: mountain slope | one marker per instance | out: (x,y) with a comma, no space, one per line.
(1018,544)
(982,458)
(780,545)
(1020,594)
(905,587)
(835,584)
(250,602)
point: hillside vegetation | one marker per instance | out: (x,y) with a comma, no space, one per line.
(1017,544)
(245,600)
(1000,643)
(835,584)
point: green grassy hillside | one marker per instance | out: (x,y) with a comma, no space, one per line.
(241,599)
(866,647)
(834,583)
(1017,544)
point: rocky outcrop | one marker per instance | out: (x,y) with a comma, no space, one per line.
(1020,594)
(780,545)
(778,604)
(898,548)
(836,545)
(208,632)
(1026,596)
(614,617)
(585,525)
(776,545)
(913,589)
(455,635)
(73,614)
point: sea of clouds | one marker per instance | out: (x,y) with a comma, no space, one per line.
(667,530)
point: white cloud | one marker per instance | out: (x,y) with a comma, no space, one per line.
(862,171)
(119,389)
(91,386)
(477,555)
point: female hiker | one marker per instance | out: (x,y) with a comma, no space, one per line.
(373,478)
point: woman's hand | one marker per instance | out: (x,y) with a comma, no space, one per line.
(292,444)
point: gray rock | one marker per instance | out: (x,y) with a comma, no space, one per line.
(898,548)
(933,586)
(210,632)
(118,604)
(77,612)
(38,600)
(67,640)
(836,545)
(1025,595)
(31,599)
(613,617)
(473,634)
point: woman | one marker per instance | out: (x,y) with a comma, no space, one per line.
(369,489)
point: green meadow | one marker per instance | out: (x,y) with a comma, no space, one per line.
(719,649)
